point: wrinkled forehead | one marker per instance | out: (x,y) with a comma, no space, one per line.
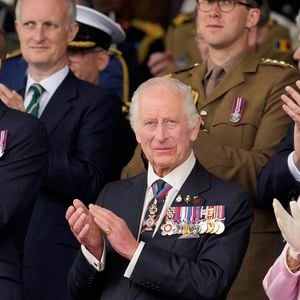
(43,10)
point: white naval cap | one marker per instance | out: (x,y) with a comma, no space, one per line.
(97,28)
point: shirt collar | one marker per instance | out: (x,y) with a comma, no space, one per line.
(51,83)
(176,177)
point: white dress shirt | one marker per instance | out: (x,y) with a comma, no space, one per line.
(50,85)
(292,167)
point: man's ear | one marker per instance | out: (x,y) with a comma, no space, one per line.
(253,17)
(102,60)
(74,27)
(195,130)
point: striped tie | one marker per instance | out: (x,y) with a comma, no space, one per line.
(33,107)
(160,190)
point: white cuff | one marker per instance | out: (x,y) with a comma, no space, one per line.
(292,167)
(98,265)
(134,260)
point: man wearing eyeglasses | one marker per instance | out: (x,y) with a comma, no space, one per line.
(238,97)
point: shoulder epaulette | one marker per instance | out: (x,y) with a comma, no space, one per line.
(182,19)
(273,62)
(152,31)
(14,53)
(182,70)
(125,73)
(155,30)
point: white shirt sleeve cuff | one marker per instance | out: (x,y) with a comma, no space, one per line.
(292,167)
(134,260)
(98,265)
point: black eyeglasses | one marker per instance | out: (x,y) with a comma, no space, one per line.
(224,5)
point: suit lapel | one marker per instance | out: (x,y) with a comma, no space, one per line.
(137,203)
(197,183)
(2,109)
(60,102)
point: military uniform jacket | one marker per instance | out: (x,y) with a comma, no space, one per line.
(236,151)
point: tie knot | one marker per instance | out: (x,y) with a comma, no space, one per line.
(217,72)
(160,189)
(37,90)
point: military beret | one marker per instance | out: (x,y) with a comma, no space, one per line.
(95,30)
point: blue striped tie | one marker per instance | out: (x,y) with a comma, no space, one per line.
(160,190)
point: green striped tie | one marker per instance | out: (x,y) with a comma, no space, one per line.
(33,107)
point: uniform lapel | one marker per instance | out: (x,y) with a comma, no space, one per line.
(232,79)
(60,102)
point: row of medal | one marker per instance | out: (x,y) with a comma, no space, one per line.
(194,220)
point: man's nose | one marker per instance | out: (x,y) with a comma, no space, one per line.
(215,9)
(38,33)
(161,133)
(296,55)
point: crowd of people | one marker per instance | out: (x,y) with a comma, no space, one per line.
(149,151)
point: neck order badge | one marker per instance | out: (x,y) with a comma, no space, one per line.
(160,190)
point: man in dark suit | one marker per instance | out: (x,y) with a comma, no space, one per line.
(185,240)
(281,177)
(83,124)
(23,165)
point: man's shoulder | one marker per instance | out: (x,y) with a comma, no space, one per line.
(183,73)
(87,92)
(268,62)
(130,182)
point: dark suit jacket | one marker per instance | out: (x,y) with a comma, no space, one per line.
(168,267)
(22,169)
(275,179)
(83,124)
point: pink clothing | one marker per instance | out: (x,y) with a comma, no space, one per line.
(280,283)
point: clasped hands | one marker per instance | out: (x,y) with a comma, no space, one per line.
(90,225)
(289,225)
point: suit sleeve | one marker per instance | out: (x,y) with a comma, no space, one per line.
(206,274)
(92,159)
(275,179)
(22,170)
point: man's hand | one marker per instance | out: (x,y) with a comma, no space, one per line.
(11,98)
(292,107)
(289,224)
(84,228)
(117,231)
(161,63)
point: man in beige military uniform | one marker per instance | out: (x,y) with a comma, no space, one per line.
(242,121)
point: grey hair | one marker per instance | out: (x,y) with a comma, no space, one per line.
(298,20)
(165,84)
(71,13)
